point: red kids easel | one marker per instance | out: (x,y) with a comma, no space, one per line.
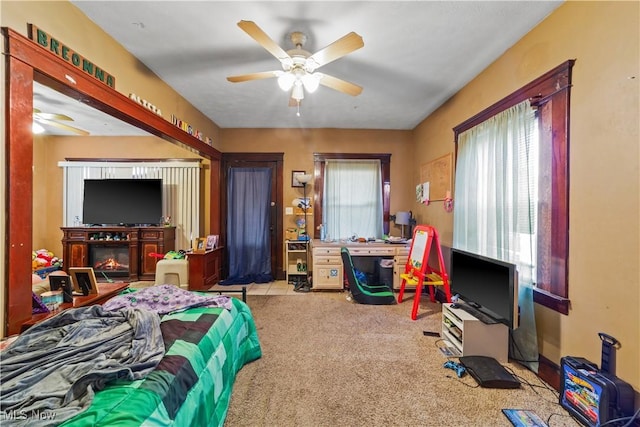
(417,272)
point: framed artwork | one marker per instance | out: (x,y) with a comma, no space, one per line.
(294,178)
(64,284)
(212,242)
(199,244)
(84,280)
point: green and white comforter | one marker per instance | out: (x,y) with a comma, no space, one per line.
(191,386)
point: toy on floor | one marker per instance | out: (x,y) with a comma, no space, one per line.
(460,370)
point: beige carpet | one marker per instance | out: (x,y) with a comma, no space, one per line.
(330,362)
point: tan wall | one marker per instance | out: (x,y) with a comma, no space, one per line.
(604,157)
(298,146)
(65,22)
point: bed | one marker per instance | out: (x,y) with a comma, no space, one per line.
(151,364)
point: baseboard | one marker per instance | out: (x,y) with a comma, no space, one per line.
(549,372)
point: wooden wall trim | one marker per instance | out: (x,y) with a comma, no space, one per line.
(19,151)
(276,160)
(549,372)
(318,184)
(26,62)
(53,72)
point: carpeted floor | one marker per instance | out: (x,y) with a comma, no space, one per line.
(330,362)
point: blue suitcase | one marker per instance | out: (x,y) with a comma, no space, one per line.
(595,396)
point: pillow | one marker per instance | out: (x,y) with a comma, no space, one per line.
(40,287)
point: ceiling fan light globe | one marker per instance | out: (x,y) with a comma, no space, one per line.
(36,128)
(311,82)
(285,81)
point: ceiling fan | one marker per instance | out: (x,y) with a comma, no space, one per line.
(299,66)
(52,119)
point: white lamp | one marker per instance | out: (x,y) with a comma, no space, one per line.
(403,218)
(305,179)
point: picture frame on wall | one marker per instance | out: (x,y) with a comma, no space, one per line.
(212,242)
(84,280)
(294,178)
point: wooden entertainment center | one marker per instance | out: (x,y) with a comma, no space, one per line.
(140,241)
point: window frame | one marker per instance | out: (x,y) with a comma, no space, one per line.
(550,94)
(319,160)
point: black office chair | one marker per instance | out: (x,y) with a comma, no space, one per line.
(361,292)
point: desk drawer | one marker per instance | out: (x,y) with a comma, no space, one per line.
(335,251)
(327,260)
(372,251)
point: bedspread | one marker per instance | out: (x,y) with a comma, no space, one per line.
(192,385)
(51,372)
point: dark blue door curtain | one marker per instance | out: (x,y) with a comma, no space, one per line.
(248,233)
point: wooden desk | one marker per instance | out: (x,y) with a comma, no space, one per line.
(106,291)
(327,271)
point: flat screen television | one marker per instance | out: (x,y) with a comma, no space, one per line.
(488,285)
(129,202)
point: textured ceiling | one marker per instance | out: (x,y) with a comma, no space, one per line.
(416,54)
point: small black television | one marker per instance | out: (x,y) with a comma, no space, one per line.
(488,285)
(128,202)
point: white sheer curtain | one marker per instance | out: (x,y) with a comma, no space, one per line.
(495,189)
(496,200)
(352,203)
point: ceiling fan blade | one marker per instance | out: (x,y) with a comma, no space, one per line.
(264,40)
(340,85)
(254,76)
(63,126)
(335,50)
(51,116)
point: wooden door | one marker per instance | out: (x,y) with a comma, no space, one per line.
(273,161)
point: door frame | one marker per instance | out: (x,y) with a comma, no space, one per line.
(245,160)
(26,62)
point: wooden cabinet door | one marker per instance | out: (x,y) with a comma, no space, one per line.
(147,262)
(212,268)
(78,256)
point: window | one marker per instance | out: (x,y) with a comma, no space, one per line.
(549,95)
(352,198)
(496,188)
(360,208)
